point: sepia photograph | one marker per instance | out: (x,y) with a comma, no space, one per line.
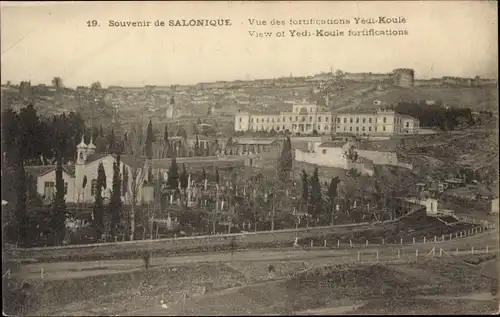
(174,158)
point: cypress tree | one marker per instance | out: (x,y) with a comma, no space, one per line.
(217,178)
(332,194)
(99,201)
(173,174)
(315,197)
(125,180)
(59,206)
(115,204)
(184,179)
(165,141)
(149,140)
(111,141)
(203,174)
(305,190)
(197,147)
(285,162)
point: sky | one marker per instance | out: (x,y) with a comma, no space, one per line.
(43,40)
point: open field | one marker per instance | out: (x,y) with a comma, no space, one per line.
(380,288)
(120,281)
(226,277)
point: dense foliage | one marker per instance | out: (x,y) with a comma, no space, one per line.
(436,115)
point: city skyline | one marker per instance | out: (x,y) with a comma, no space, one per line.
(65,47)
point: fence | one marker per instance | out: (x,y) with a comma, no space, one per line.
(387,256)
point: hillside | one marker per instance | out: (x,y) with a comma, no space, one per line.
(479,98)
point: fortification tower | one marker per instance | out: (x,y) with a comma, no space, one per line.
(403,77)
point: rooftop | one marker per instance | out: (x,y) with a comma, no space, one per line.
(130,160)
(255,141)
(41,170)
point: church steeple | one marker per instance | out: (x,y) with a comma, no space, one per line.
(82,151)
(91,147)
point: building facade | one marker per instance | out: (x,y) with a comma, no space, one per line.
(307,118)
(85,167)
(376,122)
(304,119)
(347,155)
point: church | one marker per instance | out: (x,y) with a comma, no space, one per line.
(85,168)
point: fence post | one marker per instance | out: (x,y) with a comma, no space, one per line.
(472,250)
(399,255)
(359,256)
(416,253)
(401,241)
(440,252)
(451,236)
(460,234)
(442,237)
(350,242)
(325,243)
(424,240)
(435,239)
(366,242)
(377,255)
(413,240)
(456,235)
(41,273)
(486,249)
(338,243)
(311,243)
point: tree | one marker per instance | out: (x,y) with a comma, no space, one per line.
(203,174)
(57,82)
(111,141)
(99,201)
(305,190)
(285,162)
(217,178)
(182,132)
(125,181)
(197,147)
(165,142)
(115,204)
(149,140)
(184,178)
(59,205)
(95,88)
(332,194)
(137,171)
(229,142)
(315,196)
(173,174)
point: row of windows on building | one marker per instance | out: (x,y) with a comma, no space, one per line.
(278,120)
(319,119)
(369,129)
(351,120)
(294,127)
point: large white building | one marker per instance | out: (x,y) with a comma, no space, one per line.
(305,118)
